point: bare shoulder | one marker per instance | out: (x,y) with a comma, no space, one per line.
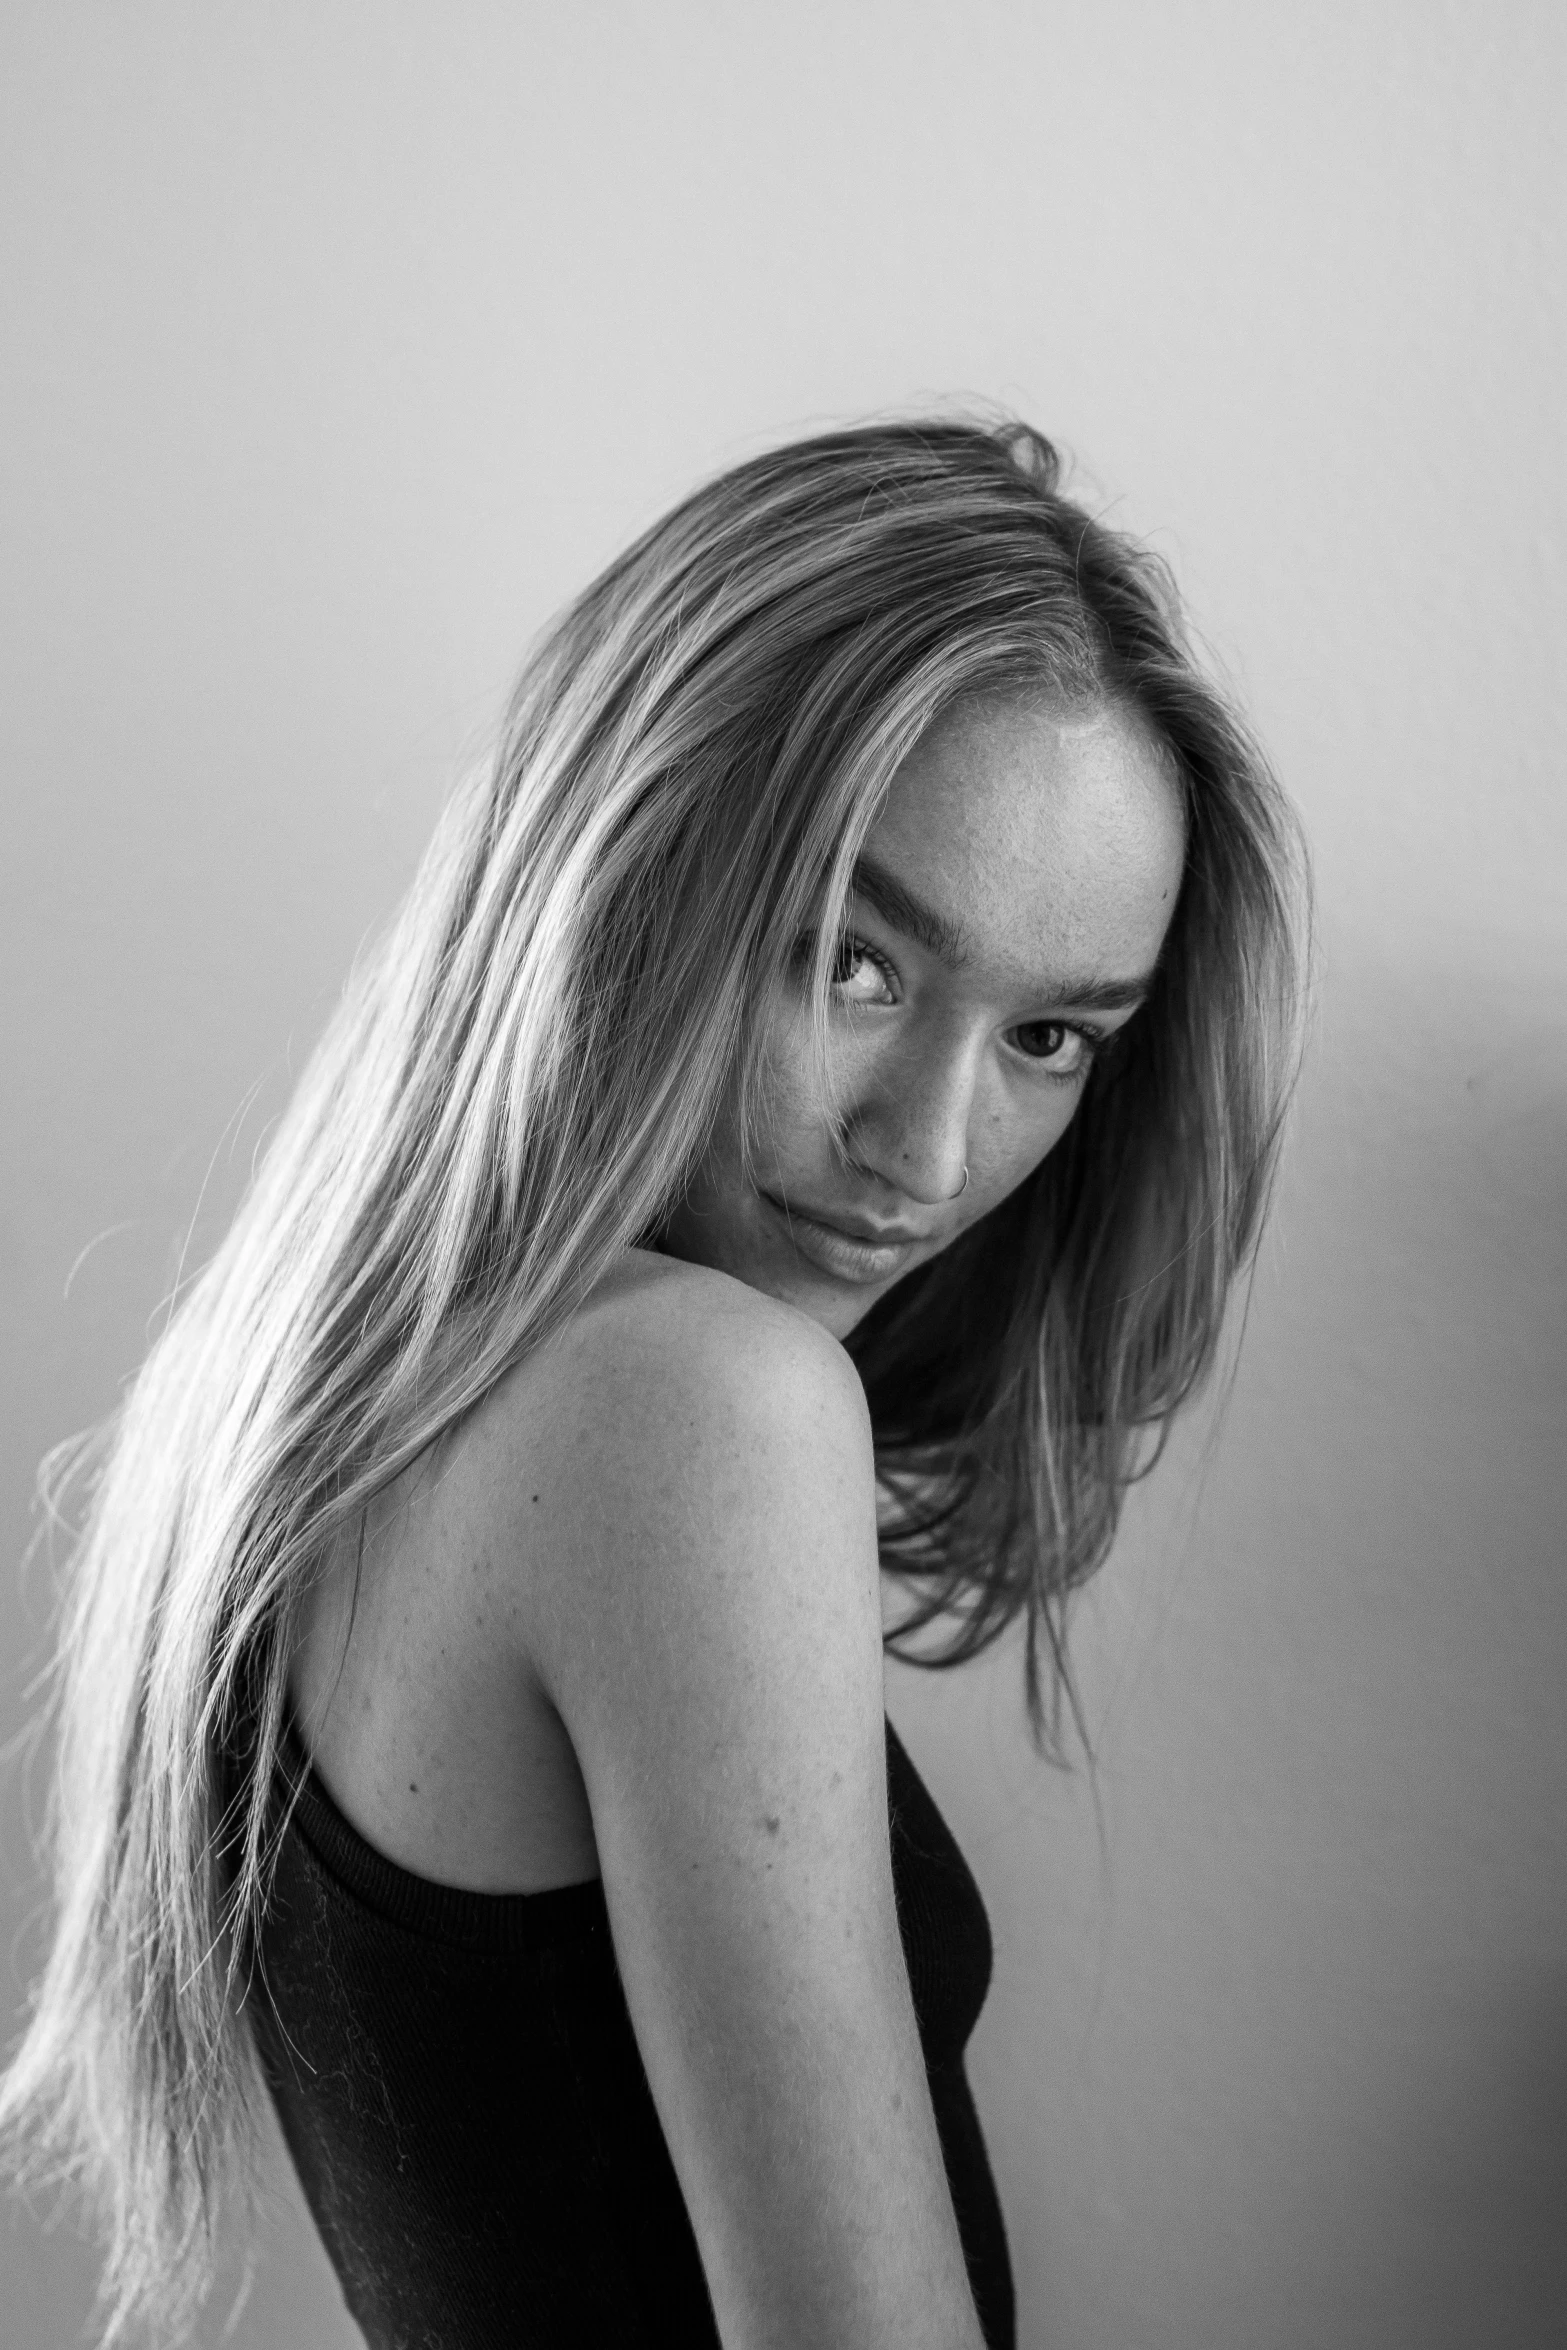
(683,1486)
(668,1368)
(692,1319)
(687,1451)
(611,1538)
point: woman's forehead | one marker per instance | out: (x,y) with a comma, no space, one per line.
(1008,814)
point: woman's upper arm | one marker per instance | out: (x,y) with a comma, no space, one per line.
(711,1637)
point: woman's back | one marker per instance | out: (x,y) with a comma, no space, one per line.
(462,2094)
(629,1623)
(430,1725)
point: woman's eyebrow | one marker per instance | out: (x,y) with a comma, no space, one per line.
(898,904)
(943,938)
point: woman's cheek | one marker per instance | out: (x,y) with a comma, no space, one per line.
(1017,1149)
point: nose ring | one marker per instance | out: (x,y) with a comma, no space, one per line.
(963,1186)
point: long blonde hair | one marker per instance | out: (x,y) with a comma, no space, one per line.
(516,1087)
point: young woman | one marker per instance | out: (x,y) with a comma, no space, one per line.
(801,1131)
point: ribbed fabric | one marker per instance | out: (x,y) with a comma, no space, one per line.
(462,2092)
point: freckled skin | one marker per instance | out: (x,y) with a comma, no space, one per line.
(1056,840)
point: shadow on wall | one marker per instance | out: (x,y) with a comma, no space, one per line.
(1459,2235)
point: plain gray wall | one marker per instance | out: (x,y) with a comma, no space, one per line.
(341,344)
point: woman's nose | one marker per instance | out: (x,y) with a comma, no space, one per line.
(913,1128)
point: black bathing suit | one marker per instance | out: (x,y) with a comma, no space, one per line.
(466,2106)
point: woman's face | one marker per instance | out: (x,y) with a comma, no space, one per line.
(1009,907)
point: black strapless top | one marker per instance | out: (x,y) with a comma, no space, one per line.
(462,2092)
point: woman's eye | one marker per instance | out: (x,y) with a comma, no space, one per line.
(858,962)
(1069,1051)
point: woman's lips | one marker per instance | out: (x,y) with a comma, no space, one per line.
(840,1253)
